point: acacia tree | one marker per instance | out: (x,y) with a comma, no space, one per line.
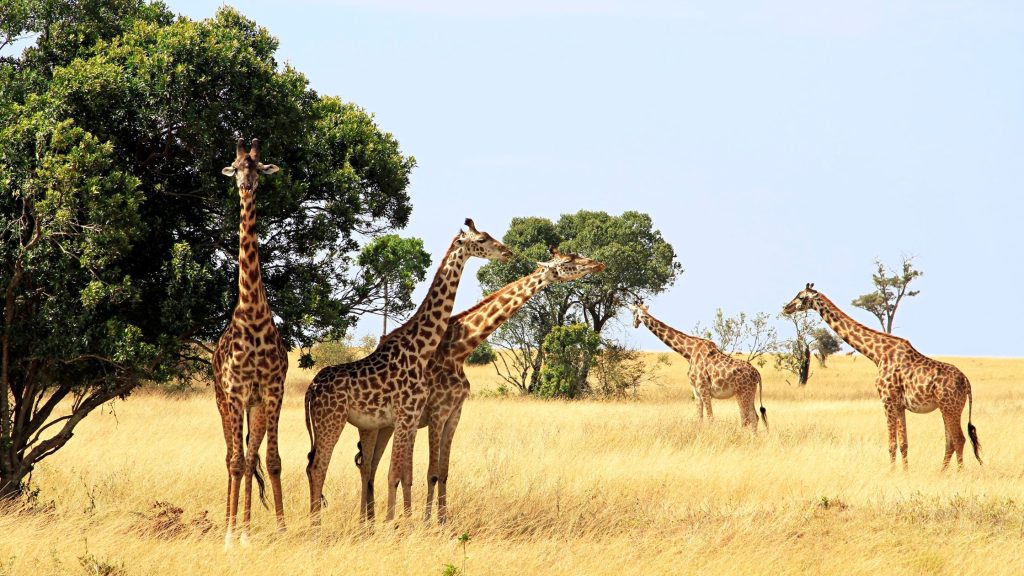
(391,266)
(891,287)
(638,263)
(118,236)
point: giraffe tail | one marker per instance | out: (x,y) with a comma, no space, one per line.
(972,431)
(308,405)
(257,470)
(764,411)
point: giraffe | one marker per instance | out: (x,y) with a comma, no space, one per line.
(250,361)
(713,374)
(907,379)
(387,389)
(446,377)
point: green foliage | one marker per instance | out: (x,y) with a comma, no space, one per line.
(569,353)
(794,355)
(391,268)
(619,370)
(639,263)
(482,354)
(754,336)
(824,343)
(342,351)
(891,287)
(119,235)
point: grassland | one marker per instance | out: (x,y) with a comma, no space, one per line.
(542,487)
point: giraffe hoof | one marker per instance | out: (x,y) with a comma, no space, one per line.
(243,540)
(228,541)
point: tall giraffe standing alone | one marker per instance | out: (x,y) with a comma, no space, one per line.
(250,361)
(446,377)
(713,374)
(387,389)
(907,379)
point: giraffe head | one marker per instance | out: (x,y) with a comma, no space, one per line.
(247,167)
(639,311)
(805,300)
(565,267)
(481,244)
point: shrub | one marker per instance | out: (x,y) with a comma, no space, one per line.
(482,354)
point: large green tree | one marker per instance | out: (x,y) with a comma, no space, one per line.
(118,235)
(639,264)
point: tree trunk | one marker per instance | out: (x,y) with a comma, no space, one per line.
(11,485)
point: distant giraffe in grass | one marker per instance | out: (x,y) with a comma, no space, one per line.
(907,379)
(250,361)
(446,377)
(712,373)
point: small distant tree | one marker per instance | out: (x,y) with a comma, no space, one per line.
(620,370)
(755,335)
(794,355)
(482,354)
(824,343)
(570,352)
(391,268)
(891,287)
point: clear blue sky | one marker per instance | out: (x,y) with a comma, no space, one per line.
(774,143)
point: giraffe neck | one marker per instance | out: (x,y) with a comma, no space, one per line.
(251,293)
(467,330)
(676,340)
(426,327)
(865,340)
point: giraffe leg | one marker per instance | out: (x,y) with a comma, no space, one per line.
(235,465)
(748,415)
(368,445)
(400,471)
(901,431)
(272,408)
(891,422)
(435,430)
(706,401)
(257,428)
(954,437)
(445,455)
(383,437)
(327,427)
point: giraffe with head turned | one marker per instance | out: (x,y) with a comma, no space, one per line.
(250,360)
(446,377)
(712,373)
(907,379)
(387,389)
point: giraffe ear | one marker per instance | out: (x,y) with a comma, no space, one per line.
(228,171)
(267,168)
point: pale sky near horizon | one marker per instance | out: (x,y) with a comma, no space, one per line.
(774,143)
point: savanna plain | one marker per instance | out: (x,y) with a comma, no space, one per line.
(627,486)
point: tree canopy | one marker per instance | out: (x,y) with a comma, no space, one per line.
(119,236)
(639,264)
(891,287)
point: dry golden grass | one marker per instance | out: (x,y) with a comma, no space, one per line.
(547,487)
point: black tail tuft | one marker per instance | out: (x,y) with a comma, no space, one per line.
(764,417)
(359,454)
(257,473)
(972,433)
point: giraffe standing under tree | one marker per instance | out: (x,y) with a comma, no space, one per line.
(446,377)
(250,361)
(712,373)
(907,379)
(387,389)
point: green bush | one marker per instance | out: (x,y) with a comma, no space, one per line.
(333,352)
(482,354)
(570,352)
